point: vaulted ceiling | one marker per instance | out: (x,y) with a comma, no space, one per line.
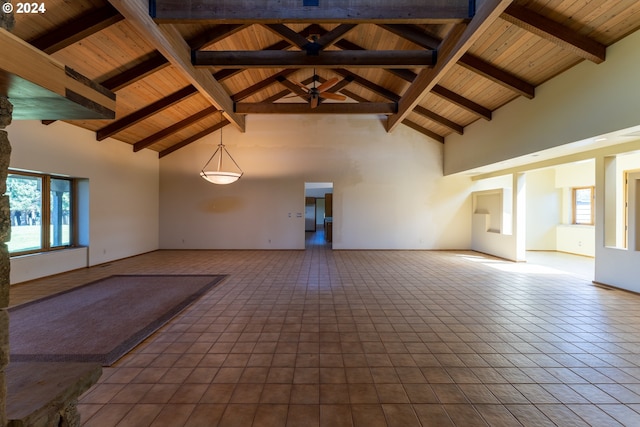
(435,66)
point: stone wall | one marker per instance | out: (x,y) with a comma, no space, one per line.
(5,236)
(6,109)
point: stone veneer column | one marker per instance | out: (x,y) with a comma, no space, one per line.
(6,109)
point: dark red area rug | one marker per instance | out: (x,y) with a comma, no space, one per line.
(102,320)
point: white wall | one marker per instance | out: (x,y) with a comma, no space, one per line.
(499,241)
(544,204)
(587,100)
(123,193)
(571,238)
(389,192)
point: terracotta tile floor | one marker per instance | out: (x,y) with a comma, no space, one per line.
(372,338)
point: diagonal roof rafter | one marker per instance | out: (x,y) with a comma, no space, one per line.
(71,32)
(471,62)
(172,45)
(554,32)
(456,44)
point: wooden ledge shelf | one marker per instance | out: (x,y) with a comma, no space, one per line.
(41,88)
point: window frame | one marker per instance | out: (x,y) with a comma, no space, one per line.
(574,209)
(45,213)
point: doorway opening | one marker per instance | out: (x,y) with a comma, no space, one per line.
(559,231)
(318,214)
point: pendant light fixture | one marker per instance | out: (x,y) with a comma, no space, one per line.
(222,174)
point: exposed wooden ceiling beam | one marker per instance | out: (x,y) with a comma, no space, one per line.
(277,96)
(414,34)
(456,44)
(171,44)
(324,108)
(261,85)
(154,63)
(554,32)
(152,139)
(447,94)
(279,11)
(193,138)
(157,61)
(354,96)
(238,96)
(214,35)
(462,102)
(418,36)
(282,44)
(334,35)
(39,87)
(290,36)
(327,59)
(145,112)
(340,85)
(427,132)
(496,75)
(76,30)
(293,88)
(311,47)
(406,75)
(375,88)
(406,122)
(439,119)
(390,95)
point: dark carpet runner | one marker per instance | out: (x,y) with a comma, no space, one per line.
(102,320)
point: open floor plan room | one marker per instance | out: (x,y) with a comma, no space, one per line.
(432,217)
(371,338)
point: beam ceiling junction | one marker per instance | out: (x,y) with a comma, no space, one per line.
(416,35)
(554,32)
(145,112)
(327,59)
(155,61)
(324,108)
(172,45)
(40,87)
(410,76)
(152,139)
(330,11)
(456,44)
(71,32)
(221,75)
(193,138)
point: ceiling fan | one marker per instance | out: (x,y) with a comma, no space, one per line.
(315,95)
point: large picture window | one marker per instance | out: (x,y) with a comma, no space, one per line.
(42,209)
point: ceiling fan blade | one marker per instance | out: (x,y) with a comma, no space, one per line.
(328,84)
(334,96)
(315,101)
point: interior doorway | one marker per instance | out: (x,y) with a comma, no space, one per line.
(318,216)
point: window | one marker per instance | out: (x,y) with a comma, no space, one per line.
(42,209)
(583,205)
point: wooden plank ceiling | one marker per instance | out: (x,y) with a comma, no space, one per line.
(435,68)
